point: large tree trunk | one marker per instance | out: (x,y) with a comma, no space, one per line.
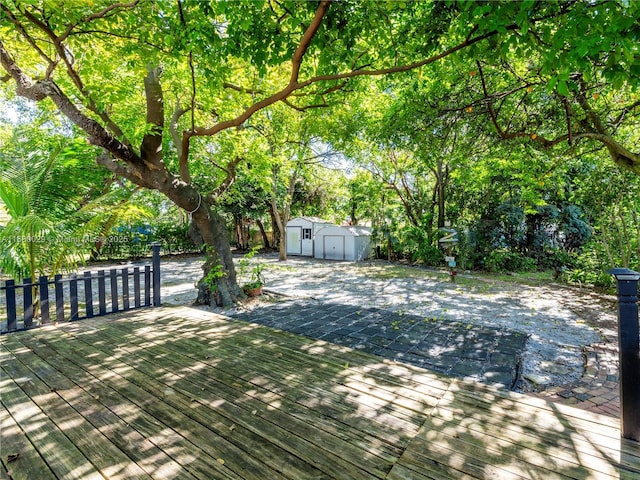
(147,169)
(219,284)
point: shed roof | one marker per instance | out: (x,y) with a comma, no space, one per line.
(310,219)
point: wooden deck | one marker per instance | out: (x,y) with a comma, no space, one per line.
(175,393)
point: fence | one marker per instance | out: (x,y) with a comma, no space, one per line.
(75,297)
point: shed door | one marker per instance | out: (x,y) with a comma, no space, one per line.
(294,240)
(333,247)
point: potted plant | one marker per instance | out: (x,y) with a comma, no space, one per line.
(254,287)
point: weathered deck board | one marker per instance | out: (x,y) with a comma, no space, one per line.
(104,455)
(265,369)
(135,445)
(15,446)
(476,431)
(158,416)
(62,457)
(180,393)
(196,388)
(228,386)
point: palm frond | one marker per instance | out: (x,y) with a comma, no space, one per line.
(13,199)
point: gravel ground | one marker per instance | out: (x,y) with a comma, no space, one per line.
(560,321)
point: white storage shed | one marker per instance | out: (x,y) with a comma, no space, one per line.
(342,243)
(300,234)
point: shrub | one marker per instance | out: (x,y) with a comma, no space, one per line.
(417,246)
(429,255)
(556,259)
(503,260)
(174,238)
(135,241)
(590,268)
(580,276)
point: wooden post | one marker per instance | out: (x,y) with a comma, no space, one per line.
(10,291)
(125,289)
(147,286)
(88,295)
(27,299)
(102,293)
(59,288)
(629,342)
(44,300)
(136,287)
(113,276)
(73,296)
(156,274)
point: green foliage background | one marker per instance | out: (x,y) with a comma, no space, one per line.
(517,123)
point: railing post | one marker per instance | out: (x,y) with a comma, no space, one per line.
(113,282)
(73,297)
(10,290)
(44,300)
(147,285)
(125,289)
(27,301)
(88,295)
(629,343)
(156,274)
(136,287)
(102,293)
(59,289)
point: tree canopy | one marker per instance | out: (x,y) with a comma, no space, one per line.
(171,93)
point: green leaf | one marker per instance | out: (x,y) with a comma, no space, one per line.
(13,199)
(562,88)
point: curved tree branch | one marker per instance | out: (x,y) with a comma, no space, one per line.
(37,91)
(311,31)
(25,87)
(178,111)
(51,63)
(622,156)
(108,11)
(229,179)
(492,114)
(62,52)
(295,85)
(151,148)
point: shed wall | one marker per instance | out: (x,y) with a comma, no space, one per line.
(296,243)
(341,243)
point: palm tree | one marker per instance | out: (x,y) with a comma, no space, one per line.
(48,187)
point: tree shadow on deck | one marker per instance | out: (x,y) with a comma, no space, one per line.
(181,393)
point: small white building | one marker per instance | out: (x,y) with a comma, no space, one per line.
(342,243)
(300,234)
